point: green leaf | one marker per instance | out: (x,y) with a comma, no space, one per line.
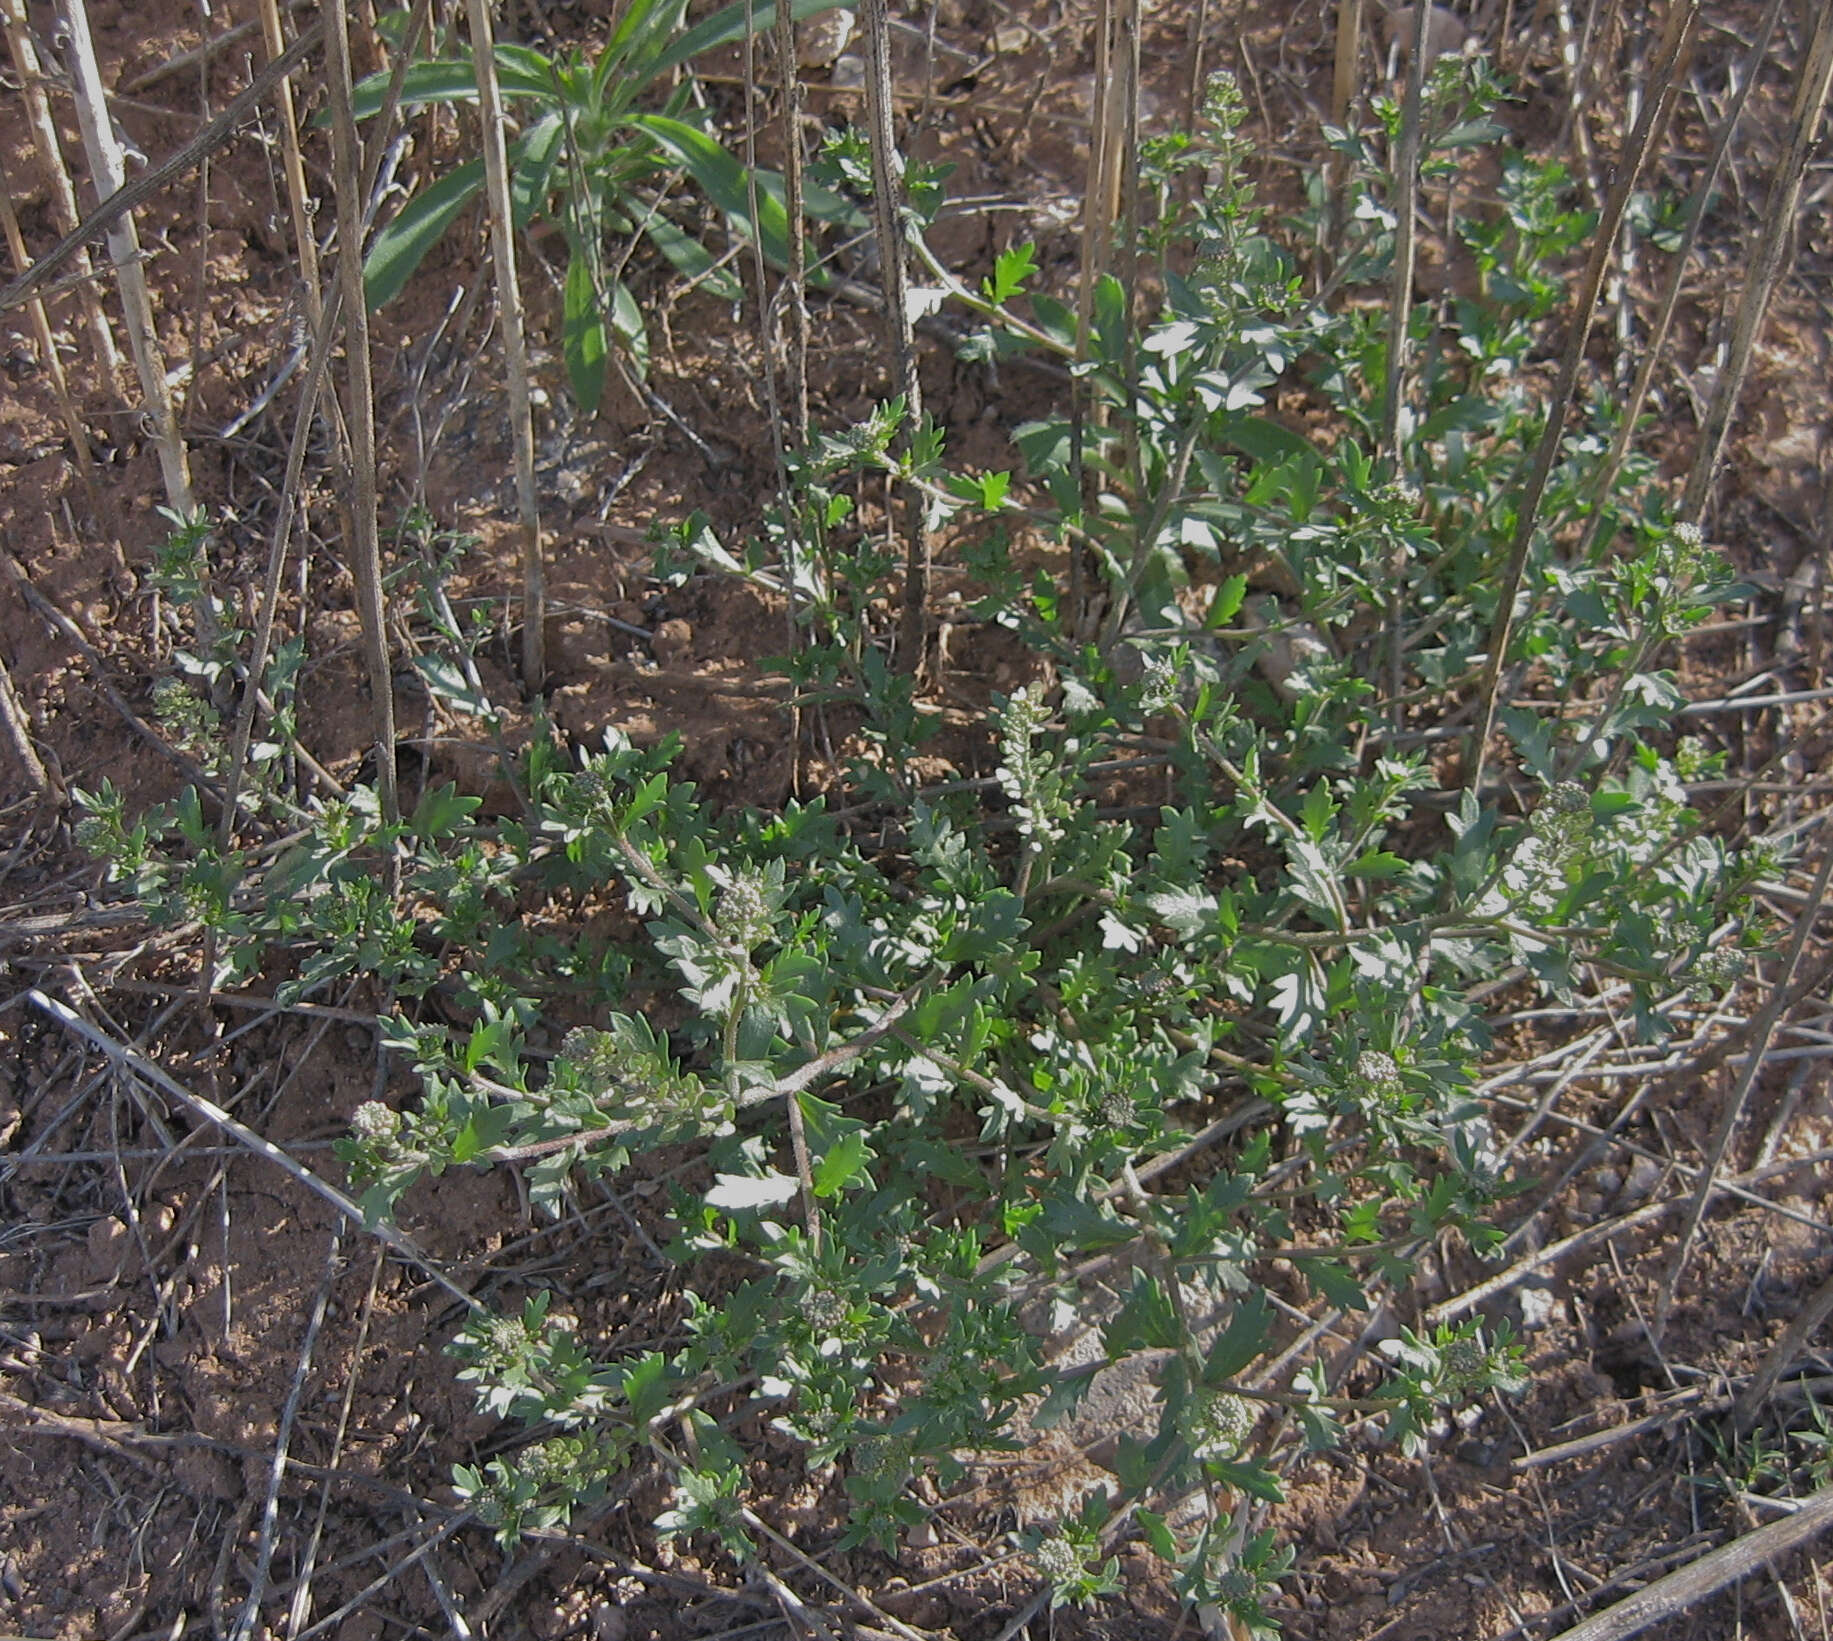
(687,256)
(443,676)
(1227,601)
(531,167)
(728,25)
(1157,1533)
(1263,439)
(486,1128)
(1012,270)
(1065,1396)
(1245,1337)
(584,331)
(627,321)
(739,1193)
(1247,1478)
(442,812)
(400,248)
(1336,1283)
(723,180)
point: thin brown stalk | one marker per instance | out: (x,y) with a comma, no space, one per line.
(359,407)
(1686,1588)
(145,184)
(19,738)
(515,349)
(47,341)
(795,282)
(150,1072)
(1766,265)
(1656,346)
(1676,48)
(1406,243)
(1781,1356)
(1777,1003)
(292,166)
(107,360)
(888,221)
(108,170)
(1342,97)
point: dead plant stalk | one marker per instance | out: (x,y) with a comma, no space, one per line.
(515,349)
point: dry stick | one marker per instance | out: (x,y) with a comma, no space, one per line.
(1683,24)
(1342,95)
(13,722)
(208,1111)
(299,1609)
(888,226)
(515,349)
(63,196)
(1680,1590)
(270,1506)
(359,412)
(1400,337)
(108,169)
(1406,244)
(324,316)
(215,135)
(795,282)
(292,165)
(1773,1009)
(55,618)
(1766,265)
(794,291)
(47,344)
(1750,1401)
(1745,78)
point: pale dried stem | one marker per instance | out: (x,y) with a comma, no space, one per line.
(515,347)
(325,312)
(1656,345)
(19,739)
(359,408)
(1764,1030)
(1343,87)
(795,282)
(888,222)
(292,166)
(108,171)
(270,1504)
(47,341)
(148,1071)
(1676,48)
(64,213)
(1675,1594)
(1766,264)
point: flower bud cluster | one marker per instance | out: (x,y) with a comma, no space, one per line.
(1027,776)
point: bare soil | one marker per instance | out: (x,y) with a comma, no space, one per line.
(164,1293)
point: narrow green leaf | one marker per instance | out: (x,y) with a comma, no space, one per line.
(1227,602)
(400,248)
(531,167)
(728,24)
(584,331)
(1248,1478)
(722,179)
(627,321)
(444,678)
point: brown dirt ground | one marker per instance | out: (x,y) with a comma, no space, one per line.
(156,1286)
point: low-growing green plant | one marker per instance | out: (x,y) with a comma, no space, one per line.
(584,161)
(918,1080)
